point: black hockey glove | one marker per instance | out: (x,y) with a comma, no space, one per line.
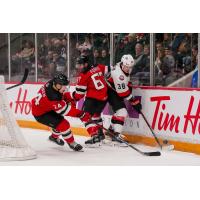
(136,105)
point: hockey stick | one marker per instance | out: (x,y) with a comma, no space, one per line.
(120,140)
(170,147)
(21,82)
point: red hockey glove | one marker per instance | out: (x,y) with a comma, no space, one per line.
(136,104)
(76,96)
(85,117)
(68,99)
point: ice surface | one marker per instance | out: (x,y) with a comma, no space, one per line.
(50,154)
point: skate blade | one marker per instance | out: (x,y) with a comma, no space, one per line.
(66,148)
(56,143)
(96,145)
(113,144)
(120,145)
(78,151)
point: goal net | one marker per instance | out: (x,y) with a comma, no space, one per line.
(13,145)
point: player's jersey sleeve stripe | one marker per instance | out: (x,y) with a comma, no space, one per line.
(80,91)
(125,94)
(90,125)
(81,87)
(61,109)
(66,111)
(129,97)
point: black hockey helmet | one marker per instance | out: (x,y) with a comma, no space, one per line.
(61,79)
(82,60)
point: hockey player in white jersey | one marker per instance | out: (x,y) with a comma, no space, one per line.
(118,80)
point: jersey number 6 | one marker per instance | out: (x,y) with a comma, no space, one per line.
(97,83)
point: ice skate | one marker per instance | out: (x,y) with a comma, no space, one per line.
(58,141)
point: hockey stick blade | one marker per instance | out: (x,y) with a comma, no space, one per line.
(154,153)
(120,140)
(22,81)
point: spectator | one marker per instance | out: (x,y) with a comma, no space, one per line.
(105,58)
(168,62)
(119,52)
(159,46)
(194,83)
(195,78)
(178,38)
(100,40)
(44,48)
(105,42)
(194,56)
(27,51)
(167,40)
(159,66)
(64,48)
(146,50)
(140,38)
(25,58)
(57,45)
(96,59)
(47,65)
(183,58)
(86,45)
(168,67)
(147,55)
(141,69)
(130,42)
(140,59)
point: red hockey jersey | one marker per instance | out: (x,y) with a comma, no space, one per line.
(48,99)
(92,84)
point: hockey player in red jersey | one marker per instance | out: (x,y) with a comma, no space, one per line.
(92,85)
(118,80)
(50,107)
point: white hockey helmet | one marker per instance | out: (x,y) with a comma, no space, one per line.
(128,60)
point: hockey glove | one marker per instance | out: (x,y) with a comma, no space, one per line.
(85,117)
(76,96)
(68,99)
(136,105)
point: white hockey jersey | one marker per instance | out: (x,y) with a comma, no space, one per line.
(120,82)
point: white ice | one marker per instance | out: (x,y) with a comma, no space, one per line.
(50,154)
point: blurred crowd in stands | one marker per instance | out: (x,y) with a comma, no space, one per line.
(175,54)
(24,57)
(95,46)
(52,56)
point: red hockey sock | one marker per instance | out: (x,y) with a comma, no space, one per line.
(54,135)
